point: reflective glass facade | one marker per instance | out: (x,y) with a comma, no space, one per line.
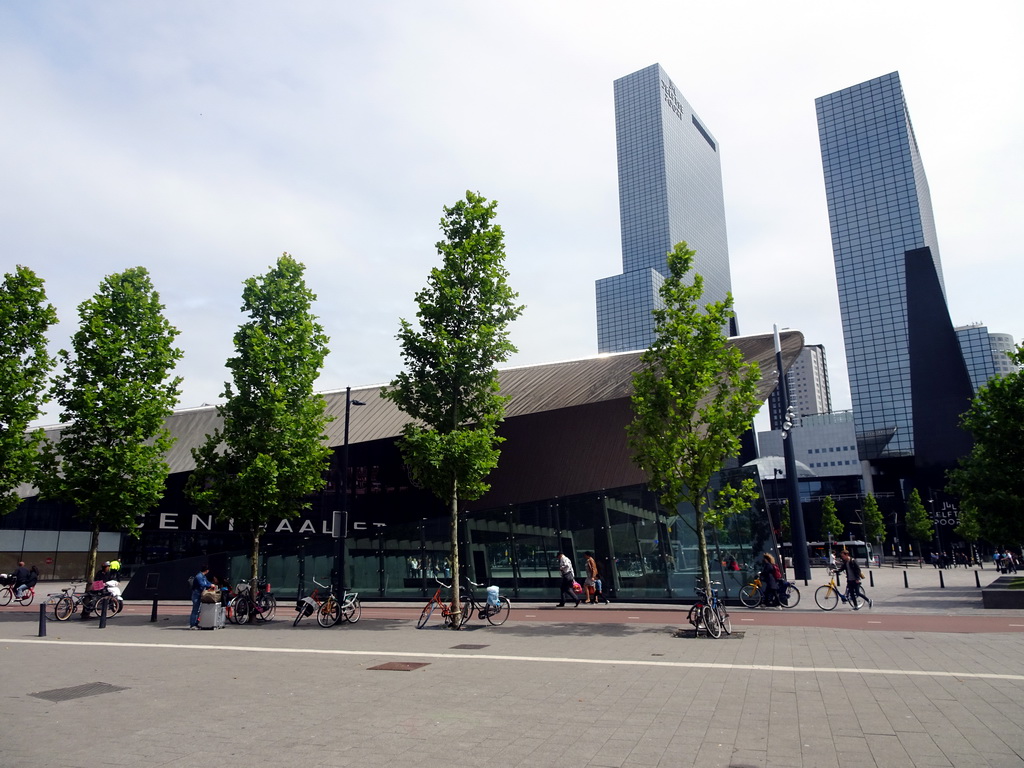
(670,190)
(879,208)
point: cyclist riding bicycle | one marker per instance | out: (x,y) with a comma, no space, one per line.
(854,577)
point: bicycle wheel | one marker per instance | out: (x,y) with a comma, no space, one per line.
(243,610)
(467,611)
(329,613)
(854,600)
(230,612)
(266,605)
(351,611)
(827,597)
(300,612)
(63,608)
(711,621)
(116,606)
(498,616)
(26,599)
(792,597)
(723,618)
(6,595)
(750,596)
(425,614)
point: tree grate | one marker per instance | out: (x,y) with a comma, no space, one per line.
(77,691)
(468,647)
(400,666)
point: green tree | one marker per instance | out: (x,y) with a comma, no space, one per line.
(116,392)
(271,452)
(831,525)
(967,526)
(990,479)
(874,523)
(691,401)
(25,317)
(450,386)
(785,530)
(919,525)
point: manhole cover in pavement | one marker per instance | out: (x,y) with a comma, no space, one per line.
(77,691)
(468,647)
(400,666)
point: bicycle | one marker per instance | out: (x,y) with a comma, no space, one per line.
(64,603)
(347,609)
(828,595)
(9,593)
(306,606)
(751,595)
(495,614)
(447,610)
(702,612)
(246,606)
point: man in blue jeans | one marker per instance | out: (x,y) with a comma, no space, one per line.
(199,583)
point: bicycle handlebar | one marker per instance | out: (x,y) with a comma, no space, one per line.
(446,586)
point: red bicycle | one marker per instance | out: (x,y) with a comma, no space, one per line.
(447,610)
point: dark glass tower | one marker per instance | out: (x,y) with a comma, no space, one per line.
(670,189)
(891,295)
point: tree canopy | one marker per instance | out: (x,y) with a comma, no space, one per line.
(990,480)
(693,399)
(116,392)
(271,452)
(919,525)
(25,318)
(874,523)
(831,525)
(450,385)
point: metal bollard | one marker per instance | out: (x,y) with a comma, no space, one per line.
(42,620)
(977,580)
(152,615)
(906,584)
(103,615)
(871,578)
(942,581)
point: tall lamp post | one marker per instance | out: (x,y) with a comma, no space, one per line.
(341,516)
(801,562)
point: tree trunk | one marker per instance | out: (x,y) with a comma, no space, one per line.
(94,546)
(254,559)
(702,550)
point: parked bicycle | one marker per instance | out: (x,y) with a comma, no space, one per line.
(329,610)
(711,612)
(495,608)
(447,609)
(828,595)
(751,595)
(257,604)
(61,605)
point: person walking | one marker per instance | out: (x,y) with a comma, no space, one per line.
(199,583)
(590,584)
(568,577)
(854,577)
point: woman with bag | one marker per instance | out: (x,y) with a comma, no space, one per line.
(568,580)
(590,584)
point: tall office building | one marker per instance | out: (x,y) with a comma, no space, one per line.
(985,353)
(809,391)
(902,353)
(670,189)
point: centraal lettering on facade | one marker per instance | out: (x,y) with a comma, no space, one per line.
(168,521)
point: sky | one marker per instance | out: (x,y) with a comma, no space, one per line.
(203,139)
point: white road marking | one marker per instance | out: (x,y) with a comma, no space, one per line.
(532,659)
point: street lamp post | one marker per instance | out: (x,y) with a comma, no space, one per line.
(341,516)
(801,563)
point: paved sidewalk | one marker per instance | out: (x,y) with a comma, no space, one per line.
(559,693)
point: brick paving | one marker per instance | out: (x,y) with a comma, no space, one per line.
(601,689)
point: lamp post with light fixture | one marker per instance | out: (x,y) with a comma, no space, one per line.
(801,562)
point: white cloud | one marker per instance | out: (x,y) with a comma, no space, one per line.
(202,140)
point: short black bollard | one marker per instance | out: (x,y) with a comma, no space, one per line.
(871,578)
(42,619)
(906,584)
(977,580)
(152,615)
(942,581)
(103,615)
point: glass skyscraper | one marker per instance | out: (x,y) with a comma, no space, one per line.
(879,208)
(670,189)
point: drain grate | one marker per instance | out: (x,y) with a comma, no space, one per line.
(77,691)
(400,666)
(468,647)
